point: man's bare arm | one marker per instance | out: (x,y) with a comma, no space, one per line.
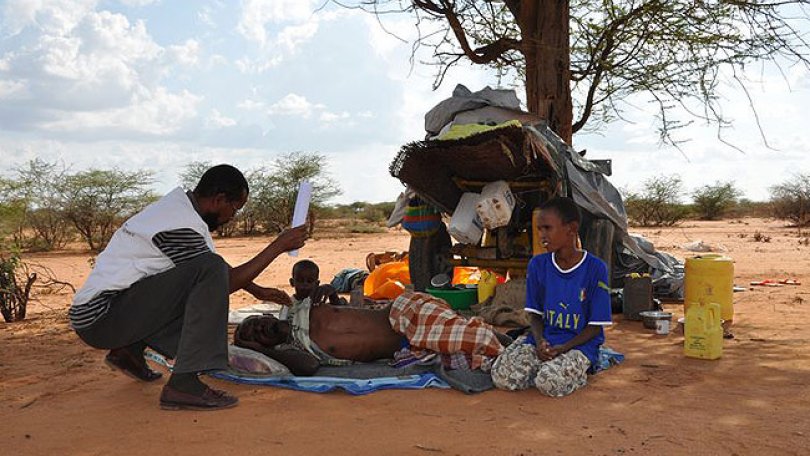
(242,276)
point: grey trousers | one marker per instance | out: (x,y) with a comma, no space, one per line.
(181,313)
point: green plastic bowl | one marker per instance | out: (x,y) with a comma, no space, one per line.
(457,298)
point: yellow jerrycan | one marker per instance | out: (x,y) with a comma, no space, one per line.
(710,278)
(703,334)
(486,286)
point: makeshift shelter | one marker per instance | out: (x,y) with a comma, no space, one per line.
(537,164)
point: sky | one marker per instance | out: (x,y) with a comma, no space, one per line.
(150,84)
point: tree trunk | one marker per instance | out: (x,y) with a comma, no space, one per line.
(544,28)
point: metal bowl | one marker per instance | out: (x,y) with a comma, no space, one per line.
(649,317)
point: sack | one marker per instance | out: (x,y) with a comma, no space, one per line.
(421,219)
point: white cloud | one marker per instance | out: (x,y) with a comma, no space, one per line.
(256,14)
(291,37)
(216,119)
(138,2)
(250,66)
(250,105)
(12,89)
(294,105)
(157,113)
(329,117)
(206,16)
(187,53)
(216,60)
(388,38)
(82,71)
(100,61)
(52,16)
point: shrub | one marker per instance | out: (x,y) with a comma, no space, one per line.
(713,201)
(790,200)
(15,287)
(658,203)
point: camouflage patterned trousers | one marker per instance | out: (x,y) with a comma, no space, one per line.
(519,367)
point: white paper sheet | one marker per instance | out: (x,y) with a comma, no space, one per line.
(301,208)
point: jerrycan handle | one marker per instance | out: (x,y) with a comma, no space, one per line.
(714,314)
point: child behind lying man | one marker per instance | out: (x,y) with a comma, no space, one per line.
(306,282)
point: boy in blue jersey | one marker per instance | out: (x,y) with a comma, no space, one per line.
(568,301)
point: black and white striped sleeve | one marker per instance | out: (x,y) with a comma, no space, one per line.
(180,245)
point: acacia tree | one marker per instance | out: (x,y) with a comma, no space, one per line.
(39,185)
(97,201)
(680,52)
(274,198)
(33,205)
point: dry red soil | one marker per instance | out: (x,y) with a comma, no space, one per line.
(57,397)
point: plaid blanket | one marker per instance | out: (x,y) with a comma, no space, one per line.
(429,323)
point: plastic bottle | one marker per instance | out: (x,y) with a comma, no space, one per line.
(703,334)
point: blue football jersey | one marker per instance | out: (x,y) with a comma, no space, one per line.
(568,300)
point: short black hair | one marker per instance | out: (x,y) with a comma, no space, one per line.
(306,265)
(222,179)
(566,208)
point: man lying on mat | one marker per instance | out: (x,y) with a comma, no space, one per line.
(335,335)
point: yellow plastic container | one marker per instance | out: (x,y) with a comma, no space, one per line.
(703,334)
(486,286)
(710,278)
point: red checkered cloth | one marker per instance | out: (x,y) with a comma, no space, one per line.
(429,323)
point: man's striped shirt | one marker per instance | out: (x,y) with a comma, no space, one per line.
(180,246)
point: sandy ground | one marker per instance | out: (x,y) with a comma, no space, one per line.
(57,397)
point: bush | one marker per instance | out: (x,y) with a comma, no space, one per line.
(365,229)
(658,203)
(748,208)
(15,287)
(714,201)
(98,201)
(36,192)
(790,200)
(368,212)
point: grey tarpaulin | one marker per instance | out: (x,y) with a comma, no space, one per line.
(593,192)
(465,100)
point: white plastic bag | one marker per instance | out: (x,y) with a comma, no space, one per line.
(248,361)
(465,226)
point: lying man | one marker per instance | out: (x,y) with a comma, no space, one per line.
(340,335)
